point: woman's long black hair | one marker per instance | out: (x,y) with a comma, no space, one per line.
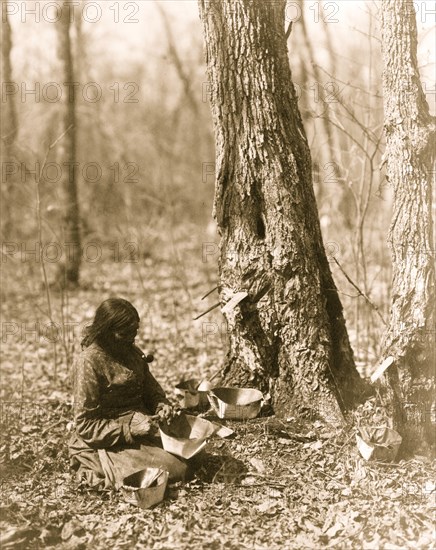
(111,316)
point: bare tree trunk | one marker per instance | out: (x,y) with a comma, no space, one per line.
(288,335)
(410,133)
(9,129)
(330,156)
(178,63)
(72,214)
(338,142)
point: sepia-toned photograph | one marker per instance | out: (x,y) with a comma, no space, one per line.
(218,326)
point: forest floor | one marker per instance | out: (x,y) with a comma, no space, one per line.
(275,484)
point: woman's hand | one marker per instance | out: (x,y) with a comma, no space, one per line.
(141,424)
(166,412)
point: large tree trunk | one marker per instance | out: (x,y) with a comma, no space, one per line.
(71,210)
(410,132)
(9,126)
(288,336)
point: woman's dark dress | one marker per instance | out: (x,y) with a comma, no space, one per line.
(106,394)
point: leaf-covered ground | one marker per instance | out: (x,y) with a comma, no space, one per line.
(276,484)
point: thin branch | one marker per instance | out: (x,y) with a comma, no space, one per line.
(350,136)
(361,293)
(348,84)
(39,217)
(371,36)
(373,138)
(56,141)
(39,221)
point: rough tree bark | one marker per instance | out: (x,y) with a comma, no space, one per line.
(71,209)
(288,336)
(410,149)
(9,124)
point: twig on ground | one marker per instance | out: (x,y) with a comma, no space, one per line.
(332,478)
(54,425)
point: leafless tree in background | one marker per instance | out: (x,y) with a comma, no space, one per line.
(330,147)
(71,232)
(177,62)
(9,124)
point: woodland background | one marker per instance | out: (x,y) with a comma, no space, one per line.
(145,142)
(146,165)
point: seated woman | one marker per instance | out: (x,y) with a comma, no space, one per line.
(114,397)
